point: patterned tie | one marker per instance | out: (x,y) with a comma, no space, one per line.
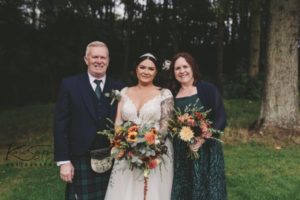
(98,88)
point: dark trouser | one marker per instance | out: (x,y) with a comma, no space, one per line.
(86,185)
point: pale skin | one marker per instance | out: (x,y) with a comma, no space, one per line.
(184,75)
(97,60)
(145,90)
(67,172)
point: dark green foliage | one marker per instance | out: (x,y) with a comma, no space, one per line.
(240,85)
(38,49)
(241,112)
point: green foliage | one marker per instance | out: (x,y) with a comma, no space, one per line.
(241,112)
(240,85)
(37,56)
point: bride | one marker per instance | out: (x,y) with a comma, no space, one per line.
(143,104)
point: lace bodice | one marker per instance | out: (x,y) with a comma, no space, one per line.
(156,111)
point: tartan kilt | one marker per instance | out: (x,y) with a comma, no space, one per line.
(86,184)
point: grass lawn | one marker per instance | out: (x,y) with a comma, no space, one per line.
(255,170)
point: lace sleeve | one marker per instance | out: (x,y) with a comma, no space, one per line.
(167,108)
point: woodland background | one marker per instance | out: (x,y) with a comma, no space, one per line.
(248,48)
(42,41)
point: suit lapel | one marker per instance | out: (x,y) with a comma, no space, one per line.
(108,89)
(88,95)
(107,86)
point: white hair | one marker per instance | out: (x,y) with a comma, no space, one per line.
(96,44)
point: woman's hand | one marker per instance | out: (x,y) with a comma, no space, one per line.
(195,147)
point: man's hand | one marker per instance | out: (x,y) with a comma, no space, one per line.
(195,147)
(67,172)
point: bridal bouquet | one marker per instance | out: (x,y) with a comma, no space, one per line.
(192,124)
(141,147)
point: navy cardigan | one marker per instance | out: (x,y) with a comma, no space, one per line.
(211,99)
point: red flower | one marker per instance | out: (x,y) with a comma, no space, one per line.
(152,164)
(199,115)
(191,122)
(133,128)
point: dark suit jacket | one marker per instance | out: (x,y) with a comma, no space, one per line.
(211,99)
(79,115)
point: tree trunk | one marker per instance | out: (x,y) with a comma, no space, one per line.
(254,39)
(175,37)
(220,52)
(164,33)
(129,10)
(222,10)
(34,15)
(280,104)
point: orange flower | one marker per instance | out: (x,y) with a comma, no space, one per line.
(132,136)
(152,164)
(204,127)
(150,137)
(133,128)
(116,143)
(184,117)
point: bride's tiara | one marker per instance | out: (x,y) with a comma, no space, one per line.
(148,55)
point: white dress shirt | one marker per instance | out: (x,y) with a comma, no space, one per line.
(93,84)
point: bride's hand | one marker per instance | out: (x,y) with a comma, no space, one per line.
(195,147)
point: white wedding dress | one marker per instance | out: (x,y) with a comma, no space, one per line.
(126,184)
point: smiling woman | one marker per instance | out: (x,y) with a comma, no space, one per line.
(203,178)
(144,90)
(146,72)
(145,104)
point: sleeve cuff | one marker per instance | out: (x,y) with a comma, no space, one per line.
(59,163)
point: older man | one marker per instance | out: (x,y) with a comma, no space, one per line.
(81,111)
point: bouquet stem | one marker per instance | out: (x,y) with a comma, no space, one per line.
(145,187)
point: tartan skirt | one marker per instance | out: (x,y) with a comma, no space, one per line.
(86,184)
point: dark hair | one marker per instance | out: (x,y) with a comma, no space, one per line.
(133,79)
(150,57)
(174,84)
